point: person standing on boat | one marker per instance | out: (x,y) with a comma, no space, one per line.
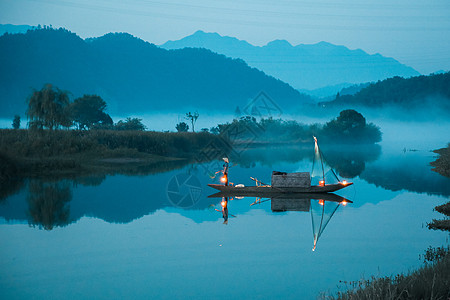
(225,170)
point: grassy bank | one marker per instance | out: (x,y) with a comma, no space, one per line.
(441,224)
(432,281)
(442,164)
(27,153)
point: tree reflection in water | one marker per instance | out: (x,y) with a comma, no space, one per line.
(348,160)
(49,204)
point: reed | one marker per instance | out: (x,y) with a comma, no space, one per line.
(40,151)
(431,281)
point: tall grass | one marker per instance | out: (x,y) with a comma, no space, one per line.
(59,142)
(432,281)
(37,151)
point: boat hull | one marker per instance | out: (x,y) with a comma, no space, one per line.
(268,190)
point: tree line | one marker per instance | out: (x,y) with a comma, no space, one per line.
(349,127)
(420,92)
(51,108)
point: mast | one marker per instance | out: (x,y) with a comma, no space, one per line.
(319,155)
(317,150)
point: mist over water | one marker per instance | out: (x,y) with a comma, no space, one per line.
(420,135)
(397,134)
(168,121)
(5,123)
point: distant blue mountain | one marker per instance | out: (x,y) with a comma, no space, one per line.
(420,93)
(305,67)
(11,29)
(131,75)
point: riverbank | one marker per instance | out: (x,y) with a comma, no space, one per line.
(441,224)
(26,153)
(442,166)
(431,281)
(442,163)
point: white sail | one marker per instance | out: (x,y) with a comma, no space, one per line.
(321,172)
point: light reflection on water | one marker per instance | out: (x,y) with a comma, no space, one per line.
(123,238)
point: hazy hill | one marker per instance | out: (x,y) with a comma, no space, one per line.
(9,28)
(302,66)
(132,76)
(421,93)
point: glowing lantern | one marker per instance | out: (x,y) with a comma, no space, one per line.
(223,179)
(321,202)
(322,182)
(344,203)
(344,182)
(223,203)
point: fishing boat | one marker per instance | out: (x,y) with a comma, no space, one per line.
(282,182)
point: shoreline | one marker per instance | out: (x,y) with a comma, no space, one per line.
(25,153)
(442,163)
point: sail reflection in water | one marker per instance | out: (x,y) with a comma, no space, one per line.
(322,207)
(321,213)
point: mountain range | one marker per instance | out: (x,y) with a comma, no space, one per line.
(305,67)
(131,75)
(9,28)
(137,77)
(419,93)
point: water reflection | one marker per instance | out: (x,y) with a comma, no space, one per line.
(224,205)
(322,207)
(407,171)
(348,161)
(49,203)
(224,209)
(122,199)
(10,186)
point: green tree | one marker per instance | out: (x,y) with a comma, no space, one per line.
(350,126)
(48,108)
(193,118)
(130,124)
(88,111)
(16,122)
(182,127)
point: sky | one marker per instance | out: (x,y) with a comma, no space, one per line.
(415,32)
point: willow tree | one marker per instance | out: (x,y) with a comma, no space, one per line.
(48,108)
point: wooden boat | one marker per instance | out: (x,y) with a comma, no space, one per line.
(288,183)
(268,190)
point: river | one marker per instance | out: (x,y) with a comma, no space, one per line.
(158,235)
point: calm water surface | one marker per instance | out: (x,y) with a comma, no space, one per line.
(141,237)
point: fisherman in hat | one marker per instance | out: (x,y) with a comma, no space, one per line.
(225,170)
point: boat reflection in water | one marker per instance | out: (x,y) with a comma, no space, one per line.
(224,209)
(322,207)
(224,205)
